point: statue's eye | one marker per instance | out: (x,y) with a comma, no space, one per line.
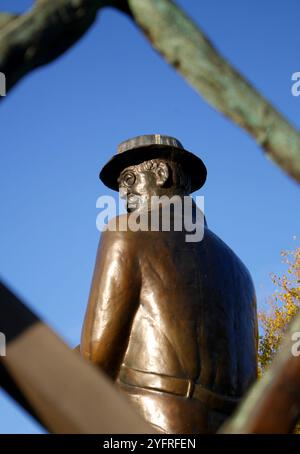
(129,179)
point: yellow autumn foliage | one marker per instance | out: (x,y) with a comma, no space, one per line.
(282,306)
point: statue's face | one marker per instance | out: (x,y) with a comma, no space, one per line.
(137,187)
(139,183)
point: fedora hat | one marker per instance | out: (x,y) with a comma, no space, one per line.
(152,146)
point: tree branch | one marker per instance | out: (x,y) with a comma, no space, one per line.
(43,34)
(185,47)
(5,18)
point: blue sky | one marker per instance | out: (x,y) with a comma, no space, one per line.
(63,122)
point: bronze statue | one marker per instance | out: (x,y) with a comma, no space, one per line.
(172,322)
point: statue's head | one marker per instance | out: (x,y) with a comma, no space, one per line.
(152,165)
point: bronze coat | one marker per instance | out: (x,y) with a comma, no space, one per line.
(162,305)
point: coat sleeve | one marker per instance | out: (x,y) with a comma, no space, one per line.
(113,301)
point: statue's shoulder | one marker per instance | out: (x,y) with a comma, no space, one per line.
(118,229)
(223,254)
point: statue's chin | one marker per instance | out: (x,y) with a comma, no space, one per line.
(131,207)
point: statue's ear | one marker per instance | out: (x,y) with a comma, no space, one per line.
(162,173)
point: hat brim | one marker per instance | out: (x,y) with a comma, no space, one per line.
(193,165)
